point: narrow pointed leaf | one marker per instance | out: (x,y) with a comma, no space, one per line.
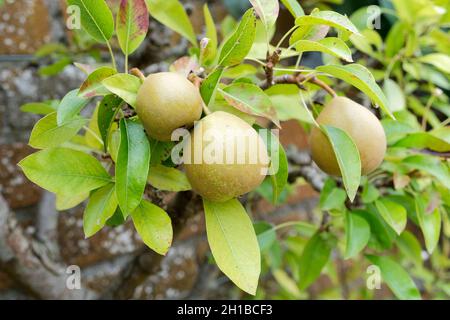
(132,24)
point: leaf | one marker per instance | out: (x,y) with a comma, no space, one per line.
(168,179)
(286,282)
(397,279)
(132,165)
(47,134)
(132,24)
(154,226)
(394,95)
(209,86)
(96,18)
(331,197)
(393,213)
(314,257)
(424,140)
(93,86)
(250,99)
(333,46)
(240,42)
(439,60)
(125,86)
(430,223)
(92,134)
(70,106)
(38,108)
(266,235)
(361,78)
(55,68)
(210,52)
(347,156)
(382,235)
(294,8)
(357,234)
(329,18)
(101,206)
(287,102)
(69,201)
(233,243)
(431,165)
(309,32)
(107,110)
(410,247)
(172,14)
(65,171)
(267,11)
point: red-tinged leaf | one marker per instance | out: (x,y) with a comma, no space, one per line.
(87,69)
(132,24)
(93,86)
(184,66)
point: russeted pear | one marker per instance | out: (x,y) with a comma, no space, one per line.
(360,124)
(224,157)
(167,101)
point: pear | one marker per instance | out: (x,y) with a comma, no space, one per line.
(224,157)
(167,101)
(360,124)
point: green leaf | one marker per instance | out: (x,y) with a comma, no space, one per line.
(70,106)
(294,8)
(285,282)
(329,18)
(266,235)
(439,60)
(431,165)
(209,86)
(168,179)
(47,134)
(287,102)
(250,99)
(55,68)
(395,39)
(394,95)
(65,171)
(393,213)
(278,170)
(424,140)
(107,110)
(357,234)
(397,278)
(93,86)
(132,24)
(69,201)
(430,223)
(101,206)
(96,18)
(382,235)
(347,156)
(267,11)
(410,246)
(240,42)
(172,14)
(331,197)
(210,52)
(333,46)
(233,243)
(370,193)
(154,226)
(314,257)
(132,166)
(125,86)
(38,108)
(361,78)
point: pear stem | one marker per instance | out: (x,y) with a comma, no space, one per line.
(138,73)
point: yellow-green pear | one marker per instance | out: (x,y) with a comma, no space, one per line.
(360,124)
(167,101)
(225,157)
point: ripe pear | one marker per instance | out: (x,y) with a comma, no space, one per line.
(224,157)
(360,124)
(167,101)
